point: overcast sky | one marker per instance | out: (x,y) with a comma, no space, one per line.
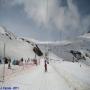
(42,20)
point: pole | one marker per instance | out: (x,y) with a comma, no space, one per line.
(47,22)
(4,65)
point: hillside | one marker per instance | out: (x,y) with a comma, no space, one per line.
(15,47)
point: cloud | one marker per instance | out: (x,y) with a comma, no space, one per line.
(64,18)
(35,9)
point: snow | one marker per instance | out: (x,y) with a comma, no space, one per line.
(77,77)
(5,34)
(2,30)
(15,69)
(37,79)
(60,76)
(54,57)
(14,47)
(86,36)
(63,42)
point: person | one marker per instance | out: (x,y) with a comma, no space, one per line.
(45,65)
(14,62)
(9,65)
(0,61)
(21,62)
(21,59)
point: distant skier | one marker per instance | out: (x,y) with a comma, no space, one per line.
(45,65)
(0,61)
(21,62)
(9,63)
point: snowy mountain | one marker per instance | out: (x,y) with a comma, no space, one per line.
(64,42)
(4,33)
(15,47)
(79,45)
(61,75)
(87,35)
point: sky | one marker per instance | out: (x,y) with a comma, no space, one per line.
(46,20)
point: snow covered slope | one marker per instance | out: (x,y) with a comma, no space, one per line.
(80,44)
(15,47)
(6,34)
(61,75)
(87,35)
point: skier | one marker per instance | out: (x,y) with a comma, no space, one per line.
(45,65)
(21,62)
(9,65)
(0,61)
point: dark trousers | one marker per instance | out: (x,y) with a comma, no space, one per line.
(45,67)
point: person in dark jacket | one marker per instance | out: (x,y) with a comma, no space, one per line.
(0,61)
(45,65)
(9,63)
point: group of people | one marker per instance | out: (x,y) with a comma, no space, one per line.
(7,61)
(22,61)
(13,62)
